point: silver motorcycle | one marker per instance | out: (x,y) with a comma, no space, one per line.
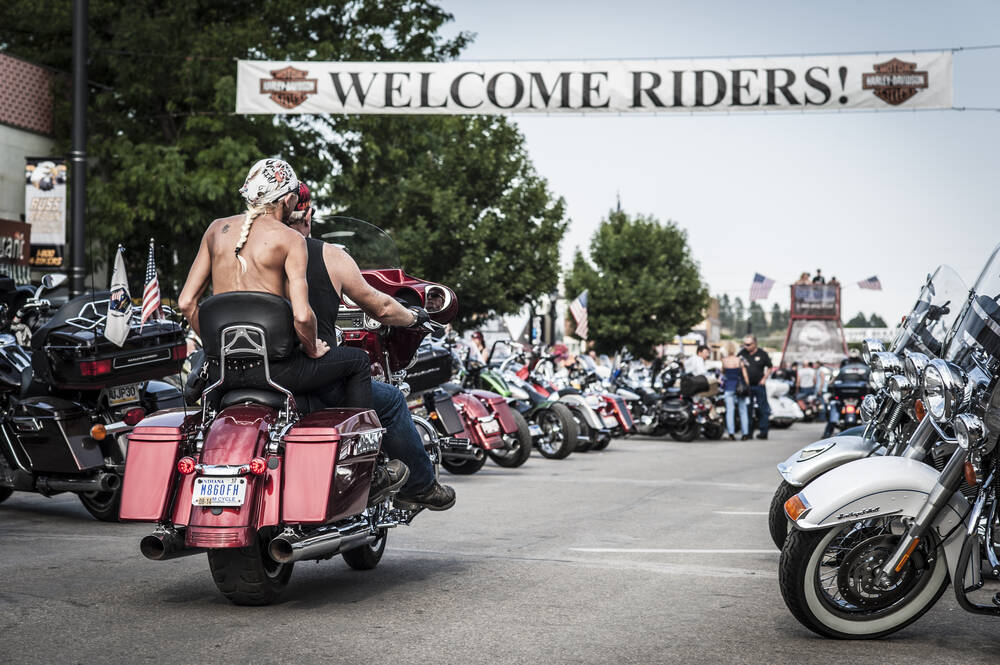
(876,541)
(892,413)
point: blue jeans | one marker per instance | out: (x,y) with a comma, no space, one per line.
(401,439)
(805,392)
(759,394)
(731,398)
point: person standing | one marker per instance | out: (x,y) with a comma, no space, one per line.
(735,386)
(807,381)
(758,365)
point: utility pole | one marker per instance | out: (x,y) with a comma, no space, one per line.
(78,152)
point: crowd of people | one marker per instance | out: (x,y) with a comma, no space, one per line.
(818,278)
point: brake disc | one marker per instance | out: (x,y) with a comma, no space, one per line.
(857,577)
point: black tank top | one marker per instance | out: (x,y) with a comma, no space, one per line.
(323,298)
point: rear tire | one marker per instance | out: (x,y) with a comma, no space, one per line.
(712,431)
(602,442)
(777,521)
(463,467)
(514,458)
(558,425)
(367,556)
(248,575)
(687,432)
(103,505)
(586,435)
(5,493)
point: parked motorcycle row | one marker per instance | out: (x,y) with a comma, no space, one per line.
(873,523)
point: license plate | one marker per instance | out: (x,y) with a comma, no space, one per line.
(124,394)
(535,429)
(219,491)
(610,421)
(490,426)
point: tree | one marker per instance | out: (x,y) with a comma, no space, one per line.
(166,152)
(758,321)
(739,316)
(876,321)
(644,285)
(725,312)
(463,202)
(859,321)
(778,320)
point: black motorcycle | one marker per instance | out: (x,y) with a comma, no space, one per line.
(847,390)
(69,396)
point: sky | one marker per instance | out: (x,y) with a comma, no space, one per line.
(855,194)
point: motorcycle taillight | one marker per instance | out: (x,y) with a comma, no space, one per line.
(95,367)
(179,352)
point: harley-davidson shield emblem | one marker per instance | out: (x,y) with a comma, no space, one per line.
(289,87)
(894,81)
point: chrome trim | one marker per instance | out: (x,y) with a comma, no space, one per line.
(990,323)
(224,470)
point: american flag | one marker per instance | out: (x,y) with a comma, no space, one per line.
(151,295)
(578,308)
(871,283)
(761,287)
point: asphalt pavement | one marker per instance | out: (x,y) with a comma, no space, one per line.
(652,551)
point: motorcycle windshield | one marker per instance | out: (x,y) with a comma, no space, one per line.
(369,246)
(977,326)
(944,290)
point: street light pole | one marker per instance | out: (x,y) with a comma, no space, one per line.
(78,151)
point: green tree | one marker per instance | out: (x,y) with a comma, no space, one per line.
(739,317)
(463,202)
(876,321)
(167,154)
(725,312)
(758,320)
(644,285)
(859,321)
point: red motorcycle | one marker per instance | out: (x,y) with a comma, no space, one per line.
(249,481)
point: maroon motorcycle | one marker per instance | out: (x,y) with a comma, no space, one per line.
(250,482)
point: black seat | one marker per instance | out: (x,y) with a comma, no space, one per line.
(451,388)
(269,312)
(270,398)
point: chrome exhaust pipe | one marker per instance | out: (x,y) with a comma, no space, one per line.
(102,482)
(456,448)
(166,543)
(326,541)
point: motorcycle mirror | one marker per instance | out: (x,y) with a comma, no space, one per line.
(436,299)
(54,280)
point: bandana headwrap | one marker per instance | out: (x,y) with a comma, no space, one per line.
(267,181)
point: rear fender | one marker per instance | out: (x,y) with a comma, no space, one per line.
(880,486)
(471,410)
(580,406)
(837,451)
(497,405)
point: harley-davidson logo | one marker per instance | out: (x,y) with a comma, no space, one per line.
(289,87)
(894,81)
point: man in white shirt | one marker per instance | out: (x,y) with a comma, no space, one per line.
(695,365)
(806,380)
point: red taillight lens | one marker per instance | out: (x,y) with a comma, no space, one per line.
(95,367)
(258,465)
(133,416)
(849,408)
(179,352)
(186,465)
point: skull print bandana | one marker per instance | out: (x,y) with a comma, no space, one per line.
(267,181)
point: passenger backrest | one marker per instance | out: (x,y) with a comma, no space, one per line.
(269,312)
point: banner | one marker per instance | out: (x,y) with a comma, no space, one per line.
(786,83)
(15,249)
(45,210)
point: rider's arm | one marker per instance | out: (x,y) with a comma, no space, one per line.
(344,270)
(195,285)
(298,292)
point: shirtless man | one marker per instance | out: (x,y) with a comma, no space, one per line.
(273,259)
(332,273)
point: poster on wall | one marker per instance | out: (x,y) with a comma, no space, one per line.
(15,250)
(45,210)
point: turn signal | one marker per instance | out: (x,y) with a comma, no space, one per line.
(186,465)
(258,465)
(98,433)
(433,415)
(796,507)
(920,409)
(970,474)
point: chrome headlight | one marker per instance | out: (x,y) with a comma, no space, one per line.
(869,408)
(870,347)
(943,389)
(884,364)
(969,430)
(913,366)
(900,387)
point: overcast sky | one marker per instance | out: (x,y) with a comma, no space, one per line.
(856,194)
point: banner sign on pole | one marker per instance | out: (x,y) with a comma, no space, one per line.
(15,250)
(45,210)
(788,83)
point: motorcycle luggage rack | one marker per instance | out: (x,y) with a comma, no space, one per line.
(90,318)
(246,341)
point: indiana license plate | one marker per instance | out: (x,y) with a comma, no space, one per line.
(535,429)
(490,426)
(124,394)
(219,491)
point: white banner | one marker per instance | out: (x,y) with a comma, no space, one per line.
(798,83)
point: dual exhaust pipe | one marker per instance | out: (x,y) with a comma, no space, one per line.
(102,482)
(456,448)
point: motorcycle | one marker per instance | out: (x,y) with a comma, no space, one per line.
(784,410)
(876,541)
(847,389)
(893,412)
(69,397)
(248,480)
